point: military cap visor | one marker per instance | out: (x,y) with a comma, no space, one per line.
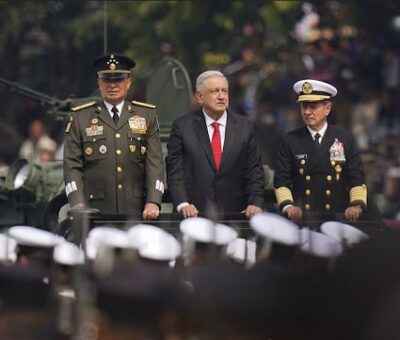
(113,75)
(310,90)
(113,66)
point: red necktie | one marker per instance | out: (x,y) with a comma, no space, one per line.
(216,144)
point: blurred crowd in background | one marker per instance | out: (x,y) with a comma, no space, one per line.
(361,60)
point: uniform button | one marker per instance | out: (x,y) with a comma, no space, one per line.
(118,152)
(117,135)
(307,206)
(327,206)
(91,196)
(302,161)
(328,192)
(329,177)
(119,186)
(119,169)
(333,163)
(308,192)
(308,177)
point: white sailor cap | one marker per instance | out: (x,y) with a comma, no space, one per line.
(7,248)
(310,90)
(154,243)
(68,254)
(34,237)
(275,228)
(318,244)
(204,230)
(109,237)
(344,233)
(242,251)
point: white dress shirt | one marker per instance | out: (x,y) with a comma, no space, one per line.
(119,106)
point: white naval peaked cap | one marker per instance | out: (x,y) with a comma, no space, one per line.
(242,250)
(68,254)
(344,233)
(110,237)
(154,243)
(8,247)
(275,228)
(310,90)
(34,237)
(319,244)
(203,230)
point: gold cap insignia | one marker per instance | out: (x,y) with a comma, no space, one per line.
(112,62)
(307,88)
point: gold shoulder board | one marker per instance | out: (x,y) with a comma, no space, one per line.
(83,106)
(150,106)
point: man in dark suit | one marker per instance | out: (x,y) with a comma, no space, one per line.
(213,159)
(112,155)
(318,168)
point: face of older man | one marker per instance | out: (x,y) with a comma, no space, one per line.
(315,114)
(214,96)
(114,91)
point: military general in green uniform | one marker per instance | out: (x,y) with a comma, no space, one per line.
(112,157)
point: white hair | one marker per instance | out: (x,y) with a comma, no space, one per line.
(204,76)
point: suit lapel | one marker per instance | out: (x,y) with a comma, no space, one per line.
(308,145)
(104,115)
(200,129)
(327,140)
(326,143)
(125,114)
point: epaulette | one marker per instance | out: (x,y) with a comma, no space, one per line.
(83,106)
(150,106)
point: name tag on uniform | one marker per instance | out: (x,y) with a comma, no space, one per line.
(301,156)
(94,130)
(137,124)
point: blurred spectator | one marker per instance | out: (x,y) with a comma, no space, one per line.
(38,147)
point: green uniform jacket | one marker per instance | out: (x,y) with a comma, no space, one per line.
(115,169)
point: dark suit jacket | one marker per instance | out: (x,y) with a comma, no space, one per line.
(191,172)
(317,182)
(115,169)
